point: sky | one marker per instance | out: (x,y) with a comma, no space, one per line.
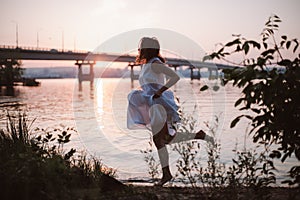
(86,24)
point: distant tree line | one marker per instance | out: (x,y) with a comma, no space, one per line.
(10,70)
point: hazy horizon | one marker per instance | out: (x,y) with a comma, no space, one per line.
(85,25)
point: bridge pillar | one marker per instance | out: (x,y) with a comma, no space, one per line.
(212,76)
(92,75)
(193,75)
(79,71)
(132,75)
(81,75)
(175,67)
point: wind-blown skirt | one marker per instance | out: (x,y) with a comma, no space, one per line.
(146,112)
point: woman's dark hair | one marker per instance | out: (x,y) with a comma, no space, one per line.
(148,49)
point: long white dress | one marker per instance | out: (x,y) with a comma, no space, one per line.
(146,112)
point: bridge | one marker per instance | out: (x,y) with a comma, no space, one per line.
(90,58)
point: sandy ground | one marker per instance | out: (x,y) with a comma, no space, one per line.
(150,192)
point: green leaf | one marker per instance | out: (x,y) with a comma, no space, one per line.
(64,133)
(238,102)
(207,57)
(261,61)
(254,43)
(275,154)
(248,117)
(265,37)
(246,47)
(285,62)
(270,57)
(296,46)
(236,41)
(235,121)
(265,45)
(255,110)
(220,51)
(38,138)
(276,17)
(288,44)
(287,181)
(238,48)
(284,37)
(270,31)
(205,87)
(285,156)
(224,82)
(269,51)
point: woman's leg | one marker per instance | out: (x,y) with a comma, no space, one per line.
(160,140)
(185,136)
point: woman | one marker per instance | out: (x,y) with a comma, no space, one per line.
(155,106)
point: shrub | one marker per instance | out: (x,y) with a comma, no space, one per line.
(39,168)
(271,89)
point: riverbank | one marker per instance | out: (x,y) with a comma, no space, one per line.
(40,168)
(188,193)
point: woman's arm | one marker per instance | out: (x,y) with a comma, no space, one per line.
(173,76)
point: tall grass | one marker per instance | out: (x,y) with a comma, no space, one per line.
(37,167)
(152,163)
(249,168)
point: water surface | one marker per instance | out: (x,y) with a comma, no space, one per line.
(98,112)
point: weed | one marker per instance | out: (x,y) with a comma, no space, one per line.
(153,164)
(38,167)
(248,169)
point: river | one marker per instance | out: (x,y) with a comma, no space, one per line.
(98,112)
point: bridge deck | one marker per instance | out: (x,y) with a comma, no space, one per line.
(9,52)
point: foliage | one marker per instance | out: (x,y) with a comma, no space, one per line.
(39,167)
(187,163)
(271,89)
(214,175)
(251,169)
(10,70)
(153,164)
(248,169)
